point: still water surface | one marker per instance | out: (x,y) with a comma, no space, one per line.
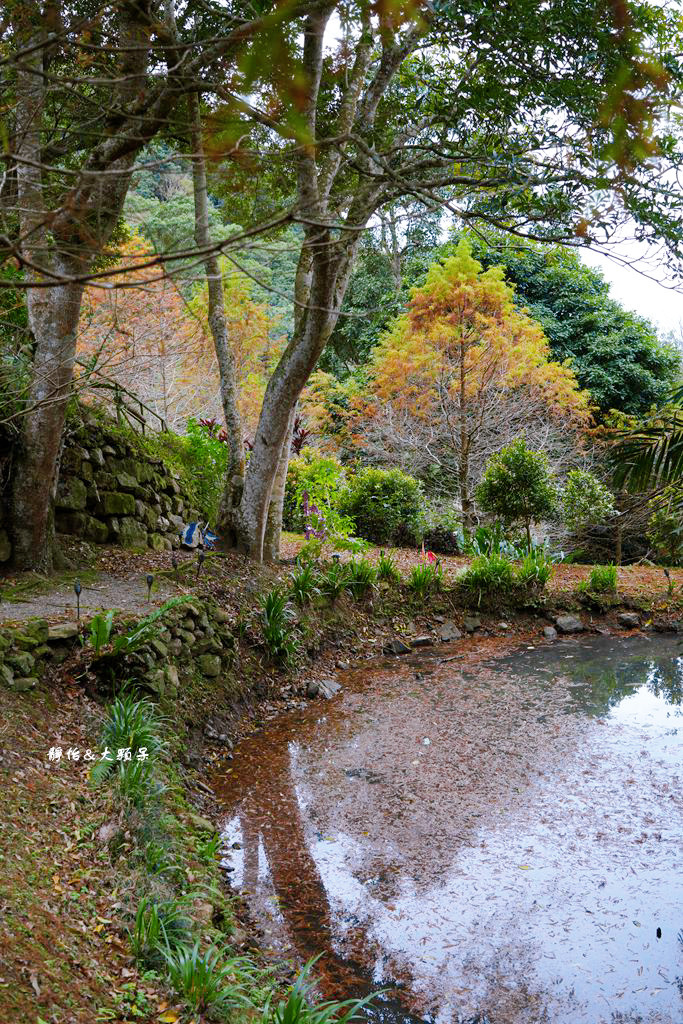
(501,844)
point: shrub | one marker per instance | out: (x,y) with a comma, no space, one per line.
(157,926)
(488,576)
(602,580)
(381,503)
(361,576)
(585,500)
(304,585)
(665,525)
(535,570)
(335,581)
(517,487)
(140,634)
(425,578)
(100,631)
(491,540)
(208,457)
(130,723)
(276,616)
(136,782)
(299,1007)
(322,479)
(438,527)
(207,980)
(387,569)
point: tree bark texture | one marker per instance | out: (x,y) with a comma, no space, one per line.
(78,229)
(234,483)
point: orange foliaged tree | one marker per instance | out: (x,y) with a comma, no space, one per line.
(154,340)
(461,373)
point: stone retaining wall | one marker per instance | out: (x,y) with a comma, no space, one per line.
(191,640)
(109,493)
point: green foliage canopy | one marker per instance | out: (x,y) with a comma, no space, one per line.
(517,486)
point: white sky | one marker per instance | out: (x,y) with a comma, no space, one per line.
(661,305)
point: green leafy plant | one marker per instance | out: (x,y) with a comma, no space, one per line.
(322,478)
(130,723)
(299,1006)
(208,455)
(585,500)
(602,579)
(491,540)
(535,570)
(276,618)
(136,782)
(335,581)
(387,569)
(382,503)
(146,629)
(208,980)
(440,529)
(100,631)
(488,576)
(425,578)
(312,492)
(362,576)
(209,849)
(304,585)
(665,525)
(157,926)
(517,487)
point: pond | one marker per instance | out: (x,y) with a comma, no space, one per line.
(499,843)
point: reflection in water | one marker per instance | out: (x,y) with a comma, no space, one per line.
(601,680)
(495,846)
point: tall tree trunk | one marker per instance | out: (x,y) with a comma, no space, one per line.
(79,229)
(273,533)
(53,315)
(464,467)
(34,478)
(282,394)
(234,483)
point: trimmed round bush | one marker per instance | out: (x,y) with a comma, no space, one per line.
(383,503)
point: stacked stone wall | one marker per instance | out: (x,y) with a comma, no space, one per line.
(110,493)
(189,641)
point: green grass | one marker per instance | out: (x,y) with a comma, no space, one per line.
(211,979)
(387,569)
(362,576)
(603,579)
(424,579)
(276,619)
(335,581)
(131,723)
(157,927)
(304,585)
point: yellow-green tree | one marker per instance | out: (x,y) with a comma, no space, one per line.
(460,374)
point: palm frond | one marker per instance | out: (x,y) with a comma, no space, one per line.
(652,455)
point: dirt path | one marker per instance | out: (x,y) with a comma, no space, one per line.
(104,592)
